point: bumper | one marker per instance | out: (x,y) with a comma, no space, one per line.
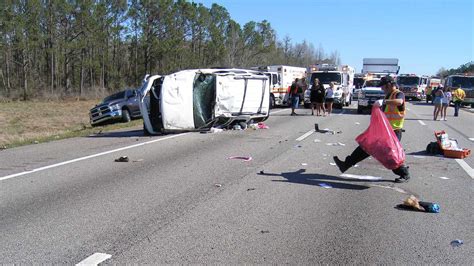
(110,116)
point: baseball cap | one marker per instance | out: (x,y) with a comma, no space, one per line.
(386,80)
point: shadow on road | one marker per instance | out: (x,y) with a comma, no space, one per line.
(299,177)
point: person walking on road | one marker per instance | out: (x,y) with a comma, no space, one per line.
(294,96)
(329,98)
(317,97)
(394,109)
(438,102)
(445,103)
(458,98)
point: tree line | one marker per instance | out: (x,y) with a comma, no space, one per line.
(66,47)
(465,68)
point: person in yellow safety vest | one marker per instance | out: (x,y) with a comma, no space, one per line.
(394,108)
(458,98)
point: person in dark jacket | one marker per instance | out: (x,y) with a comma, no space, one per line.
(317,97)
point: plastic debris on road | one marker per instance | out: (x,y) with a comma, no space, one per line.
(244,158)
(298,146)
(324,185)
(317,140)
(216,130)
(262,125)
(262,172)
(357,123)
(414,203)
(443,177)
(333,164)
(122,159)
(250,189)
(336,144)
(362,177)
(304,164)
(457,243)
(217,185)
(138,160)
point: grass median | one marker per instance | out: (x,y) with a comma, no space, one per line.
(23,123)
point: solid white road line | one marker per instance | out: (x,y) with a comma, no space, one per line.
(89,157)
(466,167)
(95,259)
(422,123)
(305,135)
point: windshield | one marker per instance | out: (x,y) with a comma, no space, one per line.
(325,77)
(372,83)
(463,82)
(408,81)
(358,82)
(116,96)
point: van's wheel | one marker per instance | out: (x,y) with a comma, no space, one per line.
(272,101)
(126,116)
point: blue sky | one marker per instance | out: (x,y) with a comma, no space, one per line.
(424,34)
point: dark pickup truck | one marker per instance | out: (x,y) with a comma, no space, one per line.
(121,106)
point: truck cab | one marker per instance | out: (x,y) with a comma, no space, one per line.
(413,86)
(463,81)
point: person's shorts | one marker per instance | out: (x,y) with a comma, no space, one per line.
(444,103)
(329,100)
(295,100)
(437,101)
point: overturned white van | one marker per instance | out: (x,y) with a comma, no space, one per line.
(198,99)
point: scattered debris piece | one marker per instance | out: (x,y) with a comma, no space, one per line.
(304,164)
(298,146)
(357,123)
(324,185)
(332,164)
(414,203)
(457,243)
(356,165)
(245,158)
(122,159)
(138,160)
(336,144)
(250,189)
(262,172)
(216,130)
(264,231)
(217,185)
(444,177)
(317,140)
(262,125)
(324,155)
(362,177)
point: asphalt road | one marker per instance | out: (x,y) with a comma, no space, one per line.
(181,200)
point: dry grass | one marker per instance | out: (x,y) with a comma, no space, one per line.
(32,122)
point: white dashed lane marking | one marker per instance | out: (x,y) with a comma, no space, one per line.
(466,167)
(305,135)
(422,123)
(95,259)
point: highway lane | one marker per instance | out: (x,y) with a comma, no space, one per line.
(180,200)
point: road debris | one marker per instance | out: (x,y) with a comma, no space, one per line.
(413,203)
(138,160)
(336,144)
(250,189)
(444,177)
(357,123)
(264,231)
(324,185)
(216,130)
(304,164)
(122,159)
(317,140)
(244,158)
(457,243)
(298,146)
(362,177)
(333,164)
(262,172)
(217,185)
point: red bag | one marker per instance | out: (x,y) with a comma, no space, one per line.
(380,141)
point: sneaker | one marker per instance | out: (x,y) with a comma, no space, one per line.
(402,179)
(341,164)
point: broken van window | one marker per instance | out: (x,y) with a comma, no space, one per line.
(204,95)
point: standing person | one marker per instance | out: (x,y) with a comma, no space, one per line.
(304,87)
(329,98)
(294,96)
(317,97)
(394,109)
(437,102)
(445,103)
(458,98)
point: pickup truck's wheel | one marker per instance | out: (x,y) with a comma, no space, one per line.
(126,116)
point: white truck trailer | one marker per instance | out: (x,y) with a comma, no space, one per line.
(387,66)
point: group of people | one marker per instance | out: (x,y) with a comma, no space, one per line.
(321,98)
(441,99)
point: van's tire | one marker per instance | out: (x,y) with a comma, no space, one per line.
(126,116)
(272,101)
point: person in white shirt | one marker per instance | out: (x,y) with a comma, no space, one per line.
(445,103)
(330,98)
